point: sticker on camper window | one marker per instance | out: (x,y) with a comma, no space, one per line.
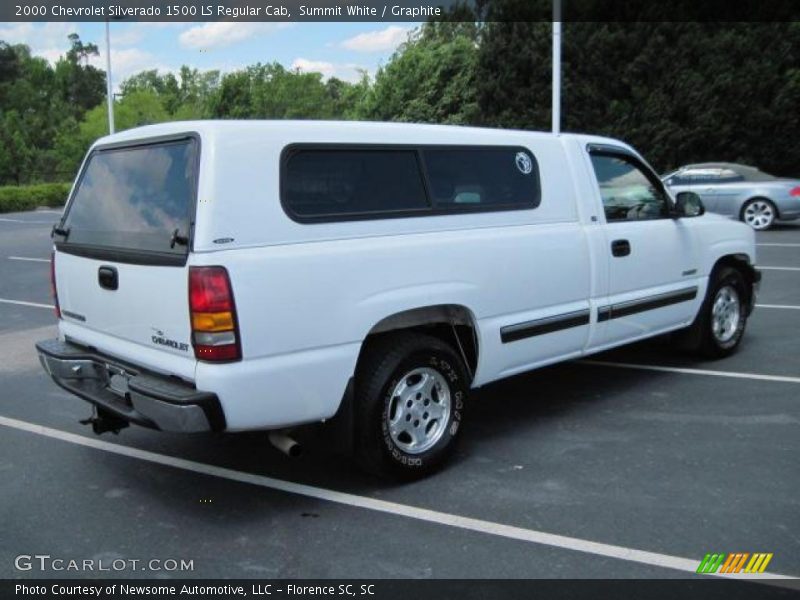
(524,163)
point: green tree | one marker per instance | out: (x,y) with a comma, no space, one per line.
(30,112)
(80,52)
(429,79)
(348,97)
(512,75)
(9,65)
(679,92)
(81,85)
(186,96)
(38,103)
(17,152)
(272,92)
(140,107)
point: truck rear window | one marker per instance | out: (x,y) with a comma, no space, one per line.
(135,198)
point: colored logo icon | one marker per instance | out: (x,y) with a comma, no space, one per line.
(735,562)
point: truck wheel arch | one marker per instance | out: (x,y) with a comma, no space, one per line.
(743,263)
(455,324)
(438,320)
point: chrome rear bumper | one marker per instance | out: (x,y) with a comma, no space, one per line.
(129,392)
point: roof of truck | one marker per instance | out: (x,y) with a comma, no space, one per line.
(286,128)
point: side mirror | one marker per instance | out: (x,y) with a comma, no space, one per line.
(688,204)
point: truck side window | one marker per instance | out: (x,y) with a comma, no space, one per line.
(628,194)
(482,177)
(341,183)
(336,182)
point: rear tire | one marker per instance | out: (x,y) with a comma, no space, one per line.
(759,213)
(410,391)
(719,327)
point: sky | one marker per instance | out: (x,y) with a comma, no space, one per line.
(333,49)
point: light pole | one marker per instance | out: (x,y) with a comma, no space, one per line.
(556,102)
(109,95)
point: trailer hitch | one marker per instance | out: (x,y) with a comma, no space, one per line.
(103,421)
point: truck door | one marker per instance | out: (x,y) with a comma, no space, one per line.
(652,258)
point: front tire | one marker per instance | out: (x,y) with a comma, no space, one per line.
(759,213)
(410,394)
(719,327)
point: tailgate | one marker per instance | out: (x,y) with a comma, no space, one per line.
(149,305)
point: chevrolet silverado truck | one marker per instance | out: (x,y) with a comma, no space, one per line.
(265,275)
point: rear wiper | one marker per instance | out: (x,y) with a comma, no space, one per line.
(179,239)
(63,232)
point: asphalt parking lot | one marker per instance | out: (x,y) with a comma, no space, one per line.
(634,464)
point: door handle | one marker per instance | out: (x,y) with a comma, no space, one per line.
(620,247)
(107,278)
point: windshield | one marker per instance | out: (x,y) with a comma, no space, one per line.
(135,198)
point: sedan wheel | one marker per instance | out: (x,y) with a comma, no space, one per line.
(759,214)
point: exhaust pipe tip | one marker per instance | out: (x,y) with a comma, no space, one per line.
(285,444)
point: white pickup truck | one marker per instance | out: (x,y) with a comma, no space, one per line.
(231,276)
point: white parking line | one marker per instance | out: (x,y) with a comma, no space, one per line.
(687,371)
(23,303)
(26,258)
(23,221)
(654,559)
(779,268)
(781,245)
(778,306)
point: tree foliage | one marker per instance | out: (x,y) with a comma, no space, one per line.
(269,91)
(429,79)
(81,85)
(678,91)
(31,108)
(37,102)
(139,107)
(186,96)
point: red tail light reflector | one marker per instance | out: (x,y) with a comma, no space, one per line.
(215,332)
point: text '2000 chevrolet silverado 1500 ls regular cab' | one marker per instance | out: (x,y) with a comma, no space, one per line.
(232,276)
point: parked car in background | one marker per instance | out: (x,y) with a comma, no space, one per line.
(740,192)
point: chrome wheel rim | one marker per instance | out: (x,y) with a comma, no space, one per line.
(725,314)
(419,410)
(759,214)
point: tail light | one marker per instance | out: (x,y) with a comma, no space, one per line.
(53,288)
(215,331)
(795,191)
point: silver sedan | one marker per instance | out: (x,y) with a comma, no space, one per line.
(740,192)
